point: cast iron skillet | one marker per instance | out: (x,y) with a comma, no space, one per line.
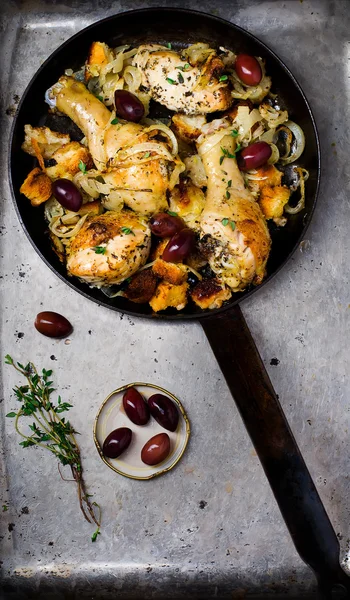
(225,328)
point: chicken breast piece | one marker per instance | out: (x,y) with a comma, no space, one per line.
(234,234)
(175,83)
(109,248)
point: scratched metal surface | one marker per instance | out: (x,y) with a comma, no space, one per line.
(210,528)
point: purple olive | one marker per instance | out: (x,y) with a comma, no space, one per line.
(254,156)
(164,225)
(179,246)
(52,324)
(156,449)
(67,194)
(164,411)
(117,442)
(248,69)
(128,106)
(135,407)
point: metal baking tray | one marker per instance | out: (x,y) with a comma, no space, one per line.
(210,528)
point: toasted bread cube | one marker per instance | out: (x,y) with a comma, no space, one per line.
(188,128)
(273,199)
(168,295)
(91,208)
(141,287)
(48,141)
(270,176)
(99,54)
(68,158)
(170,272)
(37,187)
(210,293)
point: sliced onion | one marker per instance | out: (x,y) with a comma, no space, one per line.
(268,136)
(56,221)
(146,147)
(275,155)
(132,78)
(272,116)
(299,144)
(53,209)
(208,142)
(168,132)
(303,176)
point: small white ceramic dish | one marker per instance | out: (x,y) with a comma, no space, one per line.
(111,415)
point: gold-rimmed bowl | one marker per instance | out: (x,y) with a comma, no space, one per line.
(111,415)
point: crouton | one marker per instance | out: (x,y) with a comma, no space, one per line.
(141,287)
(210,293)
(168,295)
(270,176)
(48,141)
(170,272)
(68,159)
(232,111)
(37,187)
(99,54)
(188,128)
(187,200)
(273,199)
(91,208)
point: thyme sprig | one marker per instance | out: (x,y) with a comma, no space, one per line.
(49,430)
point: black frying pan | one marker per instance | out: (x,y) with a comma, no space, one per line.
(225,328)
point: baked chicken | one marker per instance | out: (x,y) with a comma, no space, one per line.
(141,183)
(109,248)
(234,234)
(188,82)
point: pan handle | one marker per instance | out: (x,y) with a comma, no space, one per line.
(284,466)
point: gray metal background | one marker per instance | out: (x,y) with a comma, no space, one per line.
(157,541)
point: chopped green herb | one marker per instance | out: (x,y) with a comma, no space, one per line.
(223,78)
(183,68)
(228,195)
(168,45)
(146,155)
(127,231)
(11,415)
(171,81)
(100,98)
(50,430)
(180,78)
(227,154)
(234,132)
(232,225)
(229,183)
(171,213)
(82,167)
(100,249)
(4,508)
(224,222)
(95,534)
(115,121)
